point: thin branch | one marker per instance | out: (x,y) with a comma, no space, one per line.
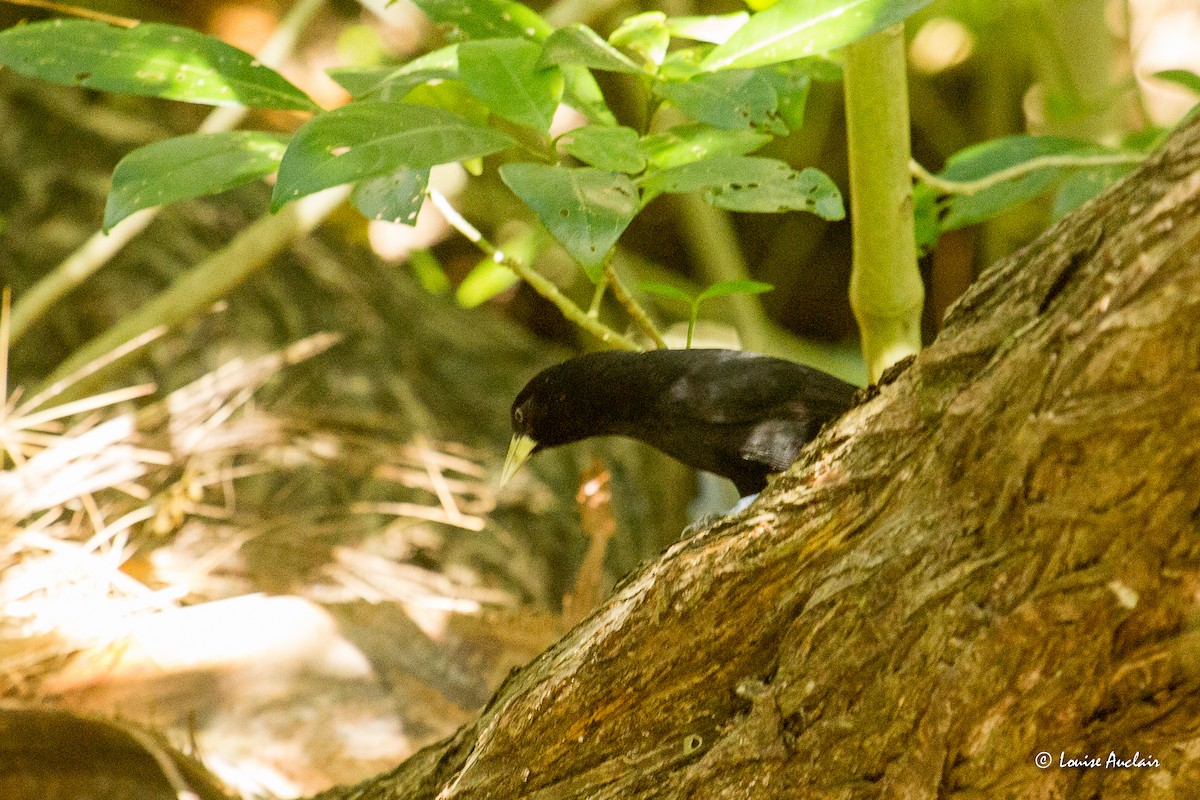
(1020,170)
(598,297)
(76,11)
(539,282)
(640,317)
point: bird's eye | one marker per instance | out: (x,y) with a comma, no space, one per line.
(518,416)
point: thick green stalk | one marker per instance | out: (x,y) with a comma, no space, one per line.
(886,292)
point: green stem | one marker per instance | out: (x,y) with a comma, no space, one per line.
(598,297)
(639,315)
(203,285)
(712,241)
(539,282)
(100,248)
(886,291)
(1020,170)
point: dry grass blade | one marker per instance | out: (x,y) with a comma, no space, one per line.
(78,480)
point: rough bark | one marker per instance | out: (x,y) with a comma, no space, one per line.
(996,556)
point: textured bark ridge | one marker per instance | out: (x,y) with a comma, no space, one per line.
(996,557)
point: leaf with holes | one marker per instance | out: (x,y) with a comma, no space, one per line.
(586,209)
(153,60)
(750,183)
(733,100)
(791,89)
(190,166)
(392,198)
(370,138)
(684,144)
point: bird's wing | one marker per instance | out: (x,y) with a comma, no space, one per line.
(731,387)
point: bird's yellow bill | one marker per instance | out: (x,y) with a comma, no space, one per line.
(518,451)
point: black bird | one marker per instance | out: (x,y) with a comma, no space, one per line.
(741,415)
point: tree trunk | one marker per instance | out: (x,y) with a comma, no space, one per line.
(995,557)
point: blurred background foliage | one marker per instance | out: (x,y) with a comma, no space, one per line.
(350,478)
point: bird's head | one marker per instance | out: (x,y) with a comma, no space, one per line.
(559,406)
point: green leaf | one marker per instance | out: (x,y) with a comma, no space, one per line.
(429,272)
(504,74)
(369,138)
(925,218)
(1181,77)
(819,68)
(489,19)
(984,159)
(750,183)
(490,278)
(1186,79)
(1144,140)
(486,19)
(360,81)
(796,28)
(452,96)
(484,282)
(726,288)
(683,63)
(153,60)
(585,208)
(736,99)
(579,44)
(1084,185)
(582,93)
(715,29)
(189,166)
(606,147)
(791,87)
(645,34)
(687,143)
(395,82)
(988,158)
(394,198)
(665,290)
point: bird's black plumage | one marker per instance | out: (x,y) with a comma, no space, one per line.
(740,415)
